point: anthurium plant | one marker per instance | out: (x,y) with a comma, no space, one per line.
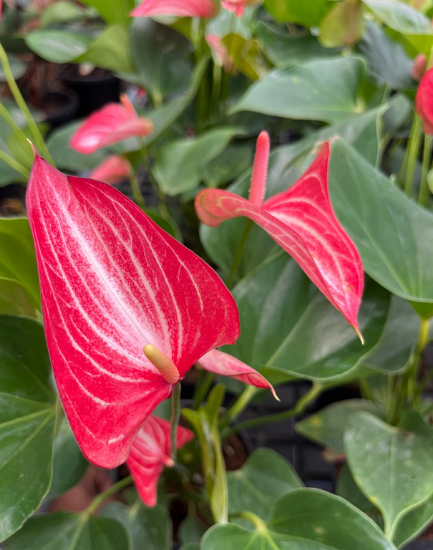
(254,212)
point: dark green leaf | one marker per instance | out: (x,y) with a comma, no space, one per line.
(322,89)
(148,528)
(229,165)
(179,166)
(110,50)
(58,46)
(66,531)
(390,465)
(27,417)
(69,462)
(413,522)
(160,55)
(14,299)
(392,233)
(191,530)
(347,489)
(327,427)
(17,256)
(263,478)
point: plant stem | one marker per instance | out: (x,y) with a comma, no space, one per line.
(15,165)
(424,190)
(299,408)
(136,191)
(13,126)
(412,371)
(239,250)
(414,143)
(98,500)
(175,415)
(202,388)
(239,405)
(155,186)
(37,136)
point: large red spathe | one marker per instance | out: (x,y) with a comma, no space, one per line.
(424,102)
(203,9)
(302,222)
(112,282)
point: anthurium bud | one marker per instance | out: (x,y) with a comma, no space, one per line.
(419,66)
(424,102)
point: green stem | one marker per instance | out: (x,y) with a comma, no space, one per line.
(299,408)
(414,143)
(136,191)
(216,91)
(155,186)
(426,156)
(98,500)
(239,406)
(175,415)
(203,388)
(412,371)
(37,136)
(14,164)
(239,250)
(13,126)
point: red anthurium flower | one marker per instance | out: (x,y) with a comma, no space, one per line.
(150,452)
(301,221)
(109,125)
(238,6)
(226,365)
(181,8)
(127,309)
(424,102)
(112,170)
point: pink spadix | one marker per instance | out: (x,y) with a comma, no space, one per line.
(301,220)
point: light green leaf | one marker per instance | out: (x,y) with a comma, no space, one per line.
(347,489)
(69,462)
(343,25)
(392,234)
(15,300)
(58,46)
(263,478)
(110,50)
(390,465)
(160,56)
(413,522)
(62,11)
(327,427)
(17,256)
(307,14)
(27,417)
(148,528)
(400,16)
(66,531)
(322,89)
(113,12)
(179,166)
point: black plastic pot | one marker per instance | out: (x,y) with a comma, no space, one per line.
(94,90)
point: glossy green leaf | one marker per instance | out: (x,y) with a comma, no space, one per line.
(191,530)
(160,56)
(343,25)
(400,16)
(17,256)
(246,55)
(58,46)
(69,463)
(112,12)
(66,531)
(390,465)
(263,478)
(110,50)
(27,418)
(61,12)
(303,519)
(307,14)
(327,426)
(228,165)
(319,516)
(347,489)
(387,61)
(413,522)
(148,528)
(179,166)
(392,234)
(15,300)
(284,49)
(401,331)
(291,330)
(221,243)
(322,89)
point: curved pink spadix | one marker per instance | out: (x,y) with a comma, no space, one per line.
(302,222)
(150,452)
(113,282)
(180,8)
(226,365)
(111,124)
